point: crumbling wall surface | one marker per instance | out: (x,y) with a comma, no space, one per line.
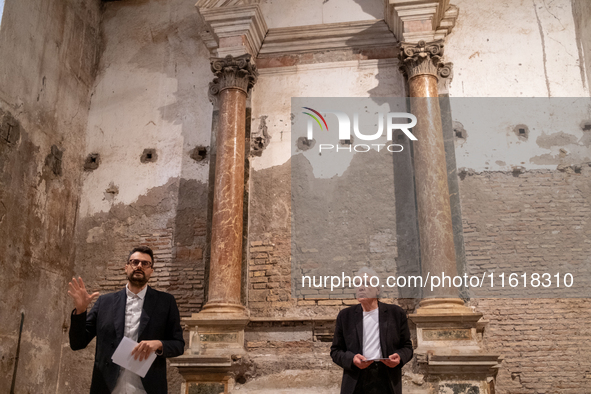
(147,147)
(506,57)
(270,199)
(537,221)
(294,356)
(517,49)
(48,57)
(545,343)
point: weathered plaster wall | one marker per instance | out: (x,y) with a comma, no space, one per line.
(150,94)
(286,13)
(555,133)
(271,99)
(48,56)
(520,49)
(270,187)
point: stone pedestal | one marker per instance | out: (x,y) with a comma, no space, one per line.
(216,334)
(449,349)
(216,343)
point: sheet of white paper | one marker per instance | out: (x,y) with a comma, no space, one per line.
(123,358)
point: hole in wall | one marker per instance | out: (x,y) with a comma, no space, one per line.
(92,162)
(9,129)
(149,156)
(304,144)
(521,131)
(53,161)
(111,192)
(460,133)
(199,153)
(347,142)
(517,170)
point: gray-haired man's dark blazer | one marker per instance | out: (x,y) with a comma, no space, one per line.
(348,341)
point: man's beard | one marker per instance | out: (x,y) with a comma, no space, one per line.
(139,281)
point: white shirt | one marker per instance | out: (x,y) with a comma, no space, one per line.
(371,335)
(128,382)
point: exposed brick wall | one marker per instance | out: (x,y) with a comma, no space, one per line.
(178,271)
(269,280)
(535,220)
(269,275)
(161,243)
(532,222)
(269,283)
(545,343)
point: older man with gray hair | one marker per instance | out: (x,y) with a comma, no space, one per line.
(371,343)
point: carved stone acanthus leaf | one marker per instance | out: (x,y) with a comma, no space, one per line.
(422,58)
(232,73)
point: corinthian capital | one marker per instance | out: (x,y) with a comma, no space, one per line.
(233,73)
(422,58)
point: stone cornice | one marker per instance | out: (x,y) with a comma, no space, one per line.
(420,20)
(209,4)
(232,73)
(312,38)
(423,58)
(232,27)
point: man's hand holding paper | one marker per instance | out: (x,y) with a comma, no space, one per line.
(126,356)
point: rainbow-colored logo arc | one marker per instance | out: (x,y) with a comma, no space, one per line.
(315,118)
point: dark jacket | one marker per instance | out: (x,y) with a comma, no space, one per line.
(348,341)
(106,320)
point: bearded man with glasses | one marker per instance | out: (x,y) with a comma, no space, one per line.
(138,312)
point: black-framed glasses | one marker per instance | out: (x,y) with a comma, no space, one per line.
(144,263)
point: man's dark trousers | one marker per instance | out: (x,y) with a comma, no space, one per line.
(159,320)
(373,380)
(348,341)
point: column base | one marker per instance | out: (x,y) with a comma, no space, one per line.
(437,306)
(218,330)
(216,348)
(450,351)
(224,308)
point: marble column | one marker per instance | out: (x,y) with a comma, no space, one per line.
(421,63)
(234,77)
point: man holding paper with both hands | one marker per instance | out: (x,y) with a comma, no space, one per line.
(137,312)
(371,343)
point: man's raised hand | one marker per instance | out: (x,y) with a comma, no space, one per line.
(80,295)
